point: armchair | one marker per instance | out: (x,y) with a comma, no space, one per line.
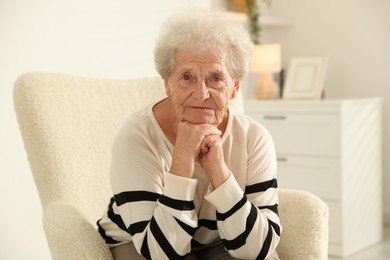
(68,124)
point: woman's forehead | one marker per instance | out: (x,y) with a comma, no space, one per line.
(209,59)
(206,55)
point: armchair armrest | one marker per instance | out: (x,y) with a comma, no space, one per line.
(304,218)
(71,236)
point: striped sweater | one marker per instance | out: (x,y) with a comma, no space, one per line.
(166,216)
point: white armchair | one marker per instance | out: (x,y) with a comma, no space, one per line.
(68,124)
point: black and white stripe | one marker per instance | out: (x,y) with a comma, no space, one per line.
(253,218)
(151,227)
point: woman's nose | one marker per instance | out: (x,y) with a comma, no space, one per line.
(201,92)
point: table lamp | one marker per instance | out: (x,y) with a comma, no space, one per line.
(266,60)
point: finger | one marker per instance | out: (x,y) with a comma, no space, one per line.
(212,130)
(204,148)
(212,140)
(208,142)
(205,129)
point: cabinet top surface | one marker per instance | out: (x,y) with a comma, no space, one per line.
(310,105)
(323,102)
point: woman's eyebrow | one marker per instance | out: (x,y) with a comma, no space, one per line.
(216,72)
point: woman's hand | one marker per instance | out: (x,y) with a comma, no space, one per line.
(199,142)
(188,142)
(212,161)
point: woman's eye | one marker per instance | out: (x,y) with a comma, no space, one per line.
(186,77)
(216,78)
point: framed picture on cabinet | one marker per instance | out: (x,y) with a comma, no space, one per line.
(305,78)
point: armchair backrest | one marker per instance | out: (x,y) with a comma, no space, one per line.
(68,124)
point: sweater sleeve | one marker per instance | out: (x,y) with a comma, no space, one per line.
(151,207)
(247,220)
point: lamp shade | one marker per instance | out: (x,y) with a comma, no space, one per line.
(266,58)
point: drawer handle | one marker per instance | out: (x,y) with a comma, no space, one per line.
(281,159)
(275,117)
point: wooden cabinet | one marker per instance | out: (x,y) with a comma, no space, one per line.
(332,148)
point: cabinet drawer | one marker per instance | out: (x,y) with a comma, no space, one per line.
(315,174)
(306,134)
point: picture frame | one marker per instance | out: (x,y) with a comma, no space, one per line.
(305,78)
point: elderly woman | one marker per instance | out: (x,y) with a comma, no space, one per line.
(192,179)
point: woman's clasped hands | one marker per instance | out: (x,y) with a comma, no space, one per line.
(199,143)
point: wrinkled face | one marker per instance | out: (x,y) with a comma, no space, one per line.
(200,86)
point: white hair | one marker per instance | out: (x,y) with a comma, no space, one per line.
(203,31)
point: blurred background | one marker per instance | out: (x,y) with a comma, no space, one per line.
(115,39)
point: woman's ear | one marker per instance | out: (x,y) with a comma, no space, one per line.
(167,88)
(235,89)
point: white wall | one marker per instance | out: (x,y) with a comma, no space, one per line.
(356,36)
(100,38)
